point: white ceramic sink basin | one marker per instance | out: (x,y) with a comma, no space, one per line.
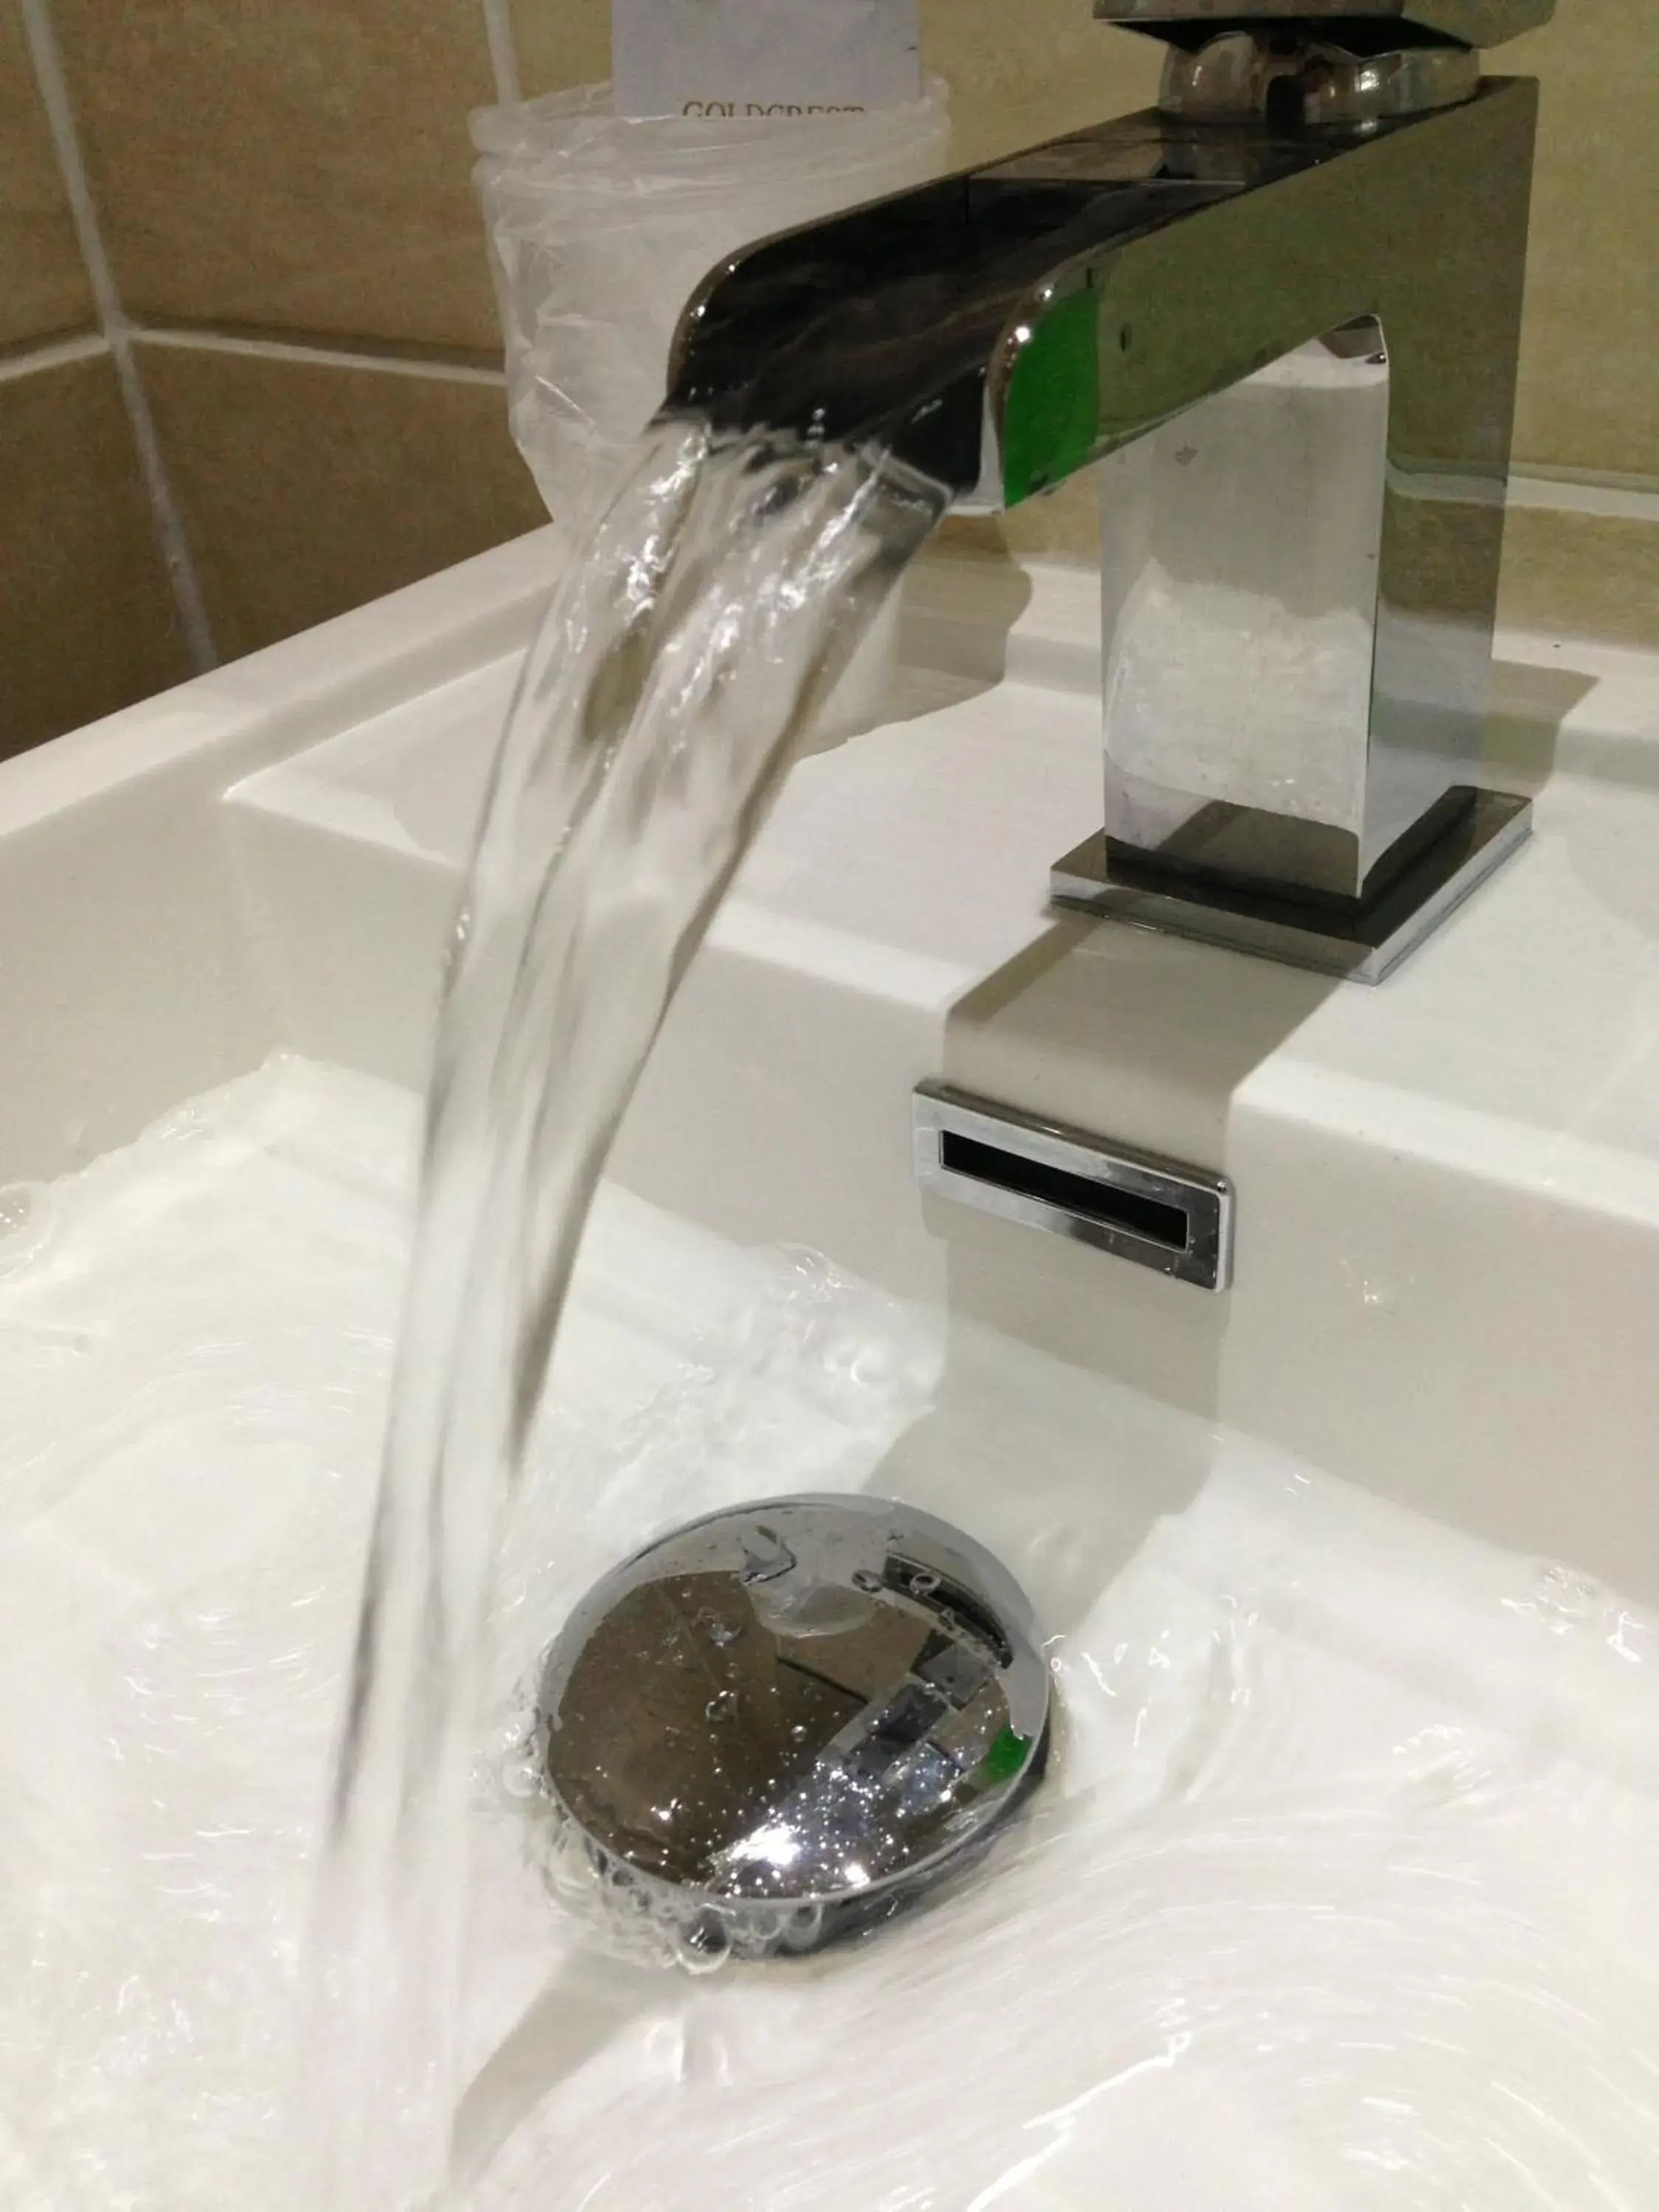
(1446,1293)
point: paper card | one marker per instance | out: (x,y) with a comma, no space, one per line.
(744,58)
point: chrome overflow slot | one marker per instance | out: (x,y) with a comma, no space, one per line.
(781,1725)
(1137,1205)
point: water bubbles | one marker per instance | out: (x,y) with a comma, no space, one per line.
(1632,1639)
(1375,1293)
(723,1709)
(704,1947)
(26,1223)
(1560,1601)
(803,1927)
(520,1777)
(189,1122)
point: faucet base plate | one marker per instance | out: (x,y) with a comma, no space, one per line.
(1363,947)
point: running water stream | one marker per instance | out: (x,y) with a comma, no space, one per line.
(697,633)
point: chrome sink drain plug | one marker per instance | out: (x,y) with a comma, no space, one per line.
(784,1723)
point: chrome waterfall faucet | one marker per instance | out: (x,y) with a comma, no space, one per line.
(1285,307)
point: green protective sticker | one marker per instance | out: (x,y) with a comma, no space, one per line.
(1052,422)
(1006,1756)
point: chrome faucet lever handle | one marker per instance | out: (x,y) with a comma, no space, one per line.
(1472,24)
(1312,84)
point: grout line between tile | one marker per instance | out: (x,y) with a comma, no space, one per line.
(1565,473)
(503,51)
(52,353)
(1609,499)
(190,340)
(42,38)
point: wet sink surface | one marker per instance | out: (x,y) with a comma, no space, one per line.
(1285,1922)
(1346,1569)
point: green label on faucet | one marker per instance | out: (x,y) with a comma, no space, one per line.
(1005,1758)
(1052,420)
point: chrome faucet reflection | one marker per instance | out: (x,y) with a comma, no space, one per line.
(1285,306)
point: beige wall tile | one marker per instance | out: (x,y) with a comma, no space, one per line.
(1589,376)
(295,164)
(1582,575)
(43,284)
(306,488)
(86,622)
(1032,69)
(1063,525)
(1585,575)
(562,43)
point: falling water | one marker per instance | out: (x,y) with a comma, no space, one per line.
(699,630)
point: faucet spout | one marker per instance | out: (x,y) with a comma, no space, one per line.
(1145,290)
(904,319)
